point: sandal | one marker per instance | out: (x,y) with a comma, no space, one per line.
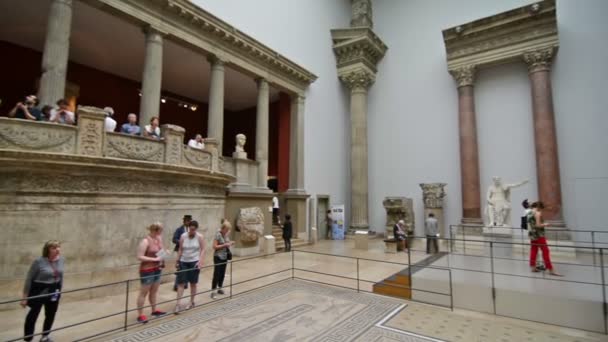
(191,306)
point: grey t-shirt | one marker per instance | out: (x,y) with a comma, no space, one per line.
(44,271)
(221,253)
(430,226)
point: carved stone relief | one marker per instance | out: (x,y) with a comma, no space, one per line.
(399,208)
(174,148)
(90,137)
(433,194)
(39,137)
(197,158)
(250,223)
(361,13)
(127,147)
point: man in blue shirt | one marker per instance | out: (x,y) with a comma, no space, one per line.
(27,109)
(131,126)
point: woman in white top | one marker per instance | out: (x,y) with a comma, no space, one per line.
(198,142)
(152,130)
(189,261)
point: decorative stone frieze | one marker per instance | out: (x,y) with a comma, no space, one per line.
(464,76)
(197,158)
(129,147)
(250,223)
(502,38)
(539,60)
(91,133)
(28,135)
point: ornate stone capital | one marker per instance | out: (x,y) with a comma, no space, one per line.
(433,194)
(153,34)
(361,14)
(216,61)
(539,60)
(358,79)
(464,76)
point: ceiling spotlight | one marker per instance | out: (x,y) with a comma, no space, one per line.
(163,100)
(193,108)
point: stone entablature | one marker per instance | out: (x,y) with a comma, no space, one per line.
(357,45)
(502,38)
(90,139)
(183,20)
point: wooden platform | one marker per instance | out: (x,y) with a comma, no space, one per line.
(399,284)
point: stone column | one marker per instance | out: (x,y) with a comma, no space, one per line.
(545,137)
(469,154)
(56,52)
(261,133)
(358,82)
(216,102)
(296,146)
(151,79)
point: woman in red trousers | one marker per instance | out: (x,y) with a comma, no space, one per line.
(537,238)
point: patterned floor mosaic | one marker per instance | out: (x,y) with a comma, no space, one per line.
(288,311)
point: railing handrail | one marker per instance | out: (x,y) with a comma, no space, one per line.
(556,230)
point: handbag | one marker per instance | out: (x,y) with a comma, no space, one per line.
(228,254)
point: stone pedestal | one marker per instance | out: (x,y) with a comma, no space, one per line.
(390,246)
(269,244)
(313,235)
(243,251)
(497,231)
(361,240)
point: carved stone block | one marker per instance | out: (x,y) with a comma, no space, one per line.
(399,208)
(433,194)
(37,136)
(90,131)
(197,158)
(250,223)
(131,147)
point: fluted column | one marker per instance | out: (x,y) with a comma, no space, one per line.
(216,102)
(261,133)
(358,83)
(56,52)
(296,146)
(469,154)
(545,137)
(151,79)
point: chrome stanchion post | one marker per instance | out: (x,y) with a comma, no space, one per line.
(451,291)
(492,271)
(357,274)
(230,279)
(126,306)
(292,265)
(593,246)
(464,240)
(605,307)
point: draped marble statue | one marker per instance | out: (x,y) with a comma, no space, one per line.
(498,210)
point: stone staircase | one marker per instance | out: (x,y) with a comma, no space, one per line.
(277,232)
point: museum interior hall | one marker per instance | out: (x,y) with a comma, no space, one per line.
(303,170)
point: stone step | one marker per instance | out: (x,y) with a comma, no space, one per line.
(393,290)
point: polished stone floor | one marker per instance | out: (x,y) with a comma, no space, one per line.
(295,309)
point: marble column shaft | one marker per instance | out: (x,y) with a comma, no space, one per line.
(469,152)
(56,52)
(358,158)
(296,145)
(216,102)
(545,137)
(152,77)
(261,132)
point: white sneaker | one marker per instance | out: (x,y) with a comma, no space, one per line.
(212,294)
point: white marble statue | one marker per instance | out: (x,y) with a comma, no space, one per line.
(241,139)
(498,199)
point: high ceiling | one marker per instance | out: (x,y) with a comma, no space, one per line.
(107,43)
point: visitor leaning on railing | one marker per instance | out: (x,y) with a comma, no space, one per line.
(131,126)
(152,130)
(62,115)
(27,109)
(44,279)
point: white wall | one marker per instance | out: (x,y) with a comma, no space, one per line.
(300,30)
(413,106)
(413,110)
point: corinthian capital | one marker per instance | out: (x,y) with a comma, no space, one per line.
(539,60)
(359,79)
(464,76)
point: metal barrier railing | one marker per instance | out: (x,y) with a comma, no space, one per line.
(491,248)
(125,312)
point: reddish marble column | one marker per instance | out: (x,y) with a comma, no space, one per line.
(469,155)
(545,138)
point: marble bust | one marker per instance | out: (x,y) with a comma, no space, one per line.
(239,149)
(498,200)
